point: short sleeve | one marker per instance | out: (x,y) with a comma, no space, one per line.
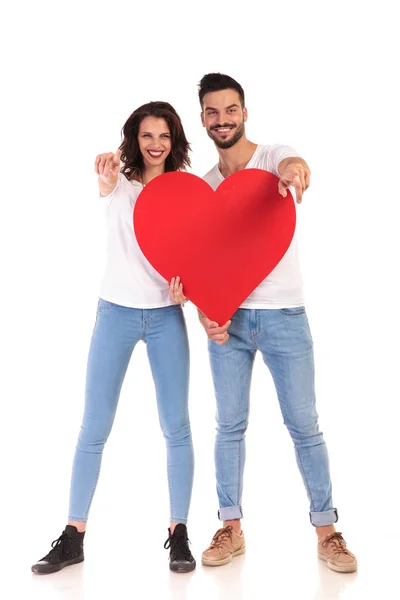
(276,154)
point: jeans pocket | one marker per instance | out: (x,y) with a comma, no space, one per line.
(104,305)
(292,312)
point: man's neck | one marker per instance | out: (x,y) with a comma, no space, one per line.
(235,158)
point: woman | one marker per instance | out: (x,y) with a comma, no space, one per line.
(135,304)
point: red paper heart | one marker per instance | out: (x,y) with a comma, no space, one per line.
(222,244)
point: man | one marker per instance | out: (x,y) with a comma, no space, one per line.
(273,321)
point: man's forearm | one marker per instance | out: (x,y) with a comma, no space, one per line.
(295,160)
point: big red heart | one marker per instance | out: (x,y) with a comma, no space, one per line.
(222,244)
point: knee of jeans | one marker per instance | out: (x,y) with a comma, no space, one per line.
(305,433)
(92,446)
(177,435)
(93,441)
(232,430)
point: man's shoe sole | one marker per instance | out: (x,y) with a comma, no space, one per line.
(224,561)
(47,569)
(337,568)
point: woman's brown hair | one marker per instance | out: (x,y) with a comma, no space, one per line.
(177,160)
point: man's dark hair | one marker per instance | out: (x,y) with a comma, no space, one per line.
(215,82)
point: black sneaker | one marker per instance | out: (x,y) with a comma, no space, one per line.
(180,557)
(67,550)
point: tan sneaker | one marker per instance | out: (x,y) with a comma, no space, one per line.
(333,550)
(225,544)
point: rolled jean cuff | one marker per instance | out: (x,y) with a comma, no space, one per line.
(228,513)
(323,519)
(179,520)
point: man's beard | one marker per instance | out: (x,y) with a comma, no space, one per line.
(228,143)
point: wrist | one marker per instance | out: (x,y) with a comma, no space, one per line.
(106,187)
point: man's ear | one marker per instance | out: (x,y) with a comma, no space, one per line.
(245,114)
(202,118)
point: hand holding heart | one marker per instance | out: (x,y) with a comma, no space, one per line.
(176,291)
(214,332)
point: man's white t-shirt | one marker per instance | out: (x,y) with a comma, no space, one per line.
(283,288)
(129,279)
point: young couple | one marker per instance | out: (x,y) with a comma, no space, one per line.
(136,303)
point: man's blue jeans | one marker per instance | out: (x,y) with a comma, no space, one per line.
(283,337)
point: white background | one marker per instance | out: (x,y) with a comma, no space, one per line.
(318,76)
